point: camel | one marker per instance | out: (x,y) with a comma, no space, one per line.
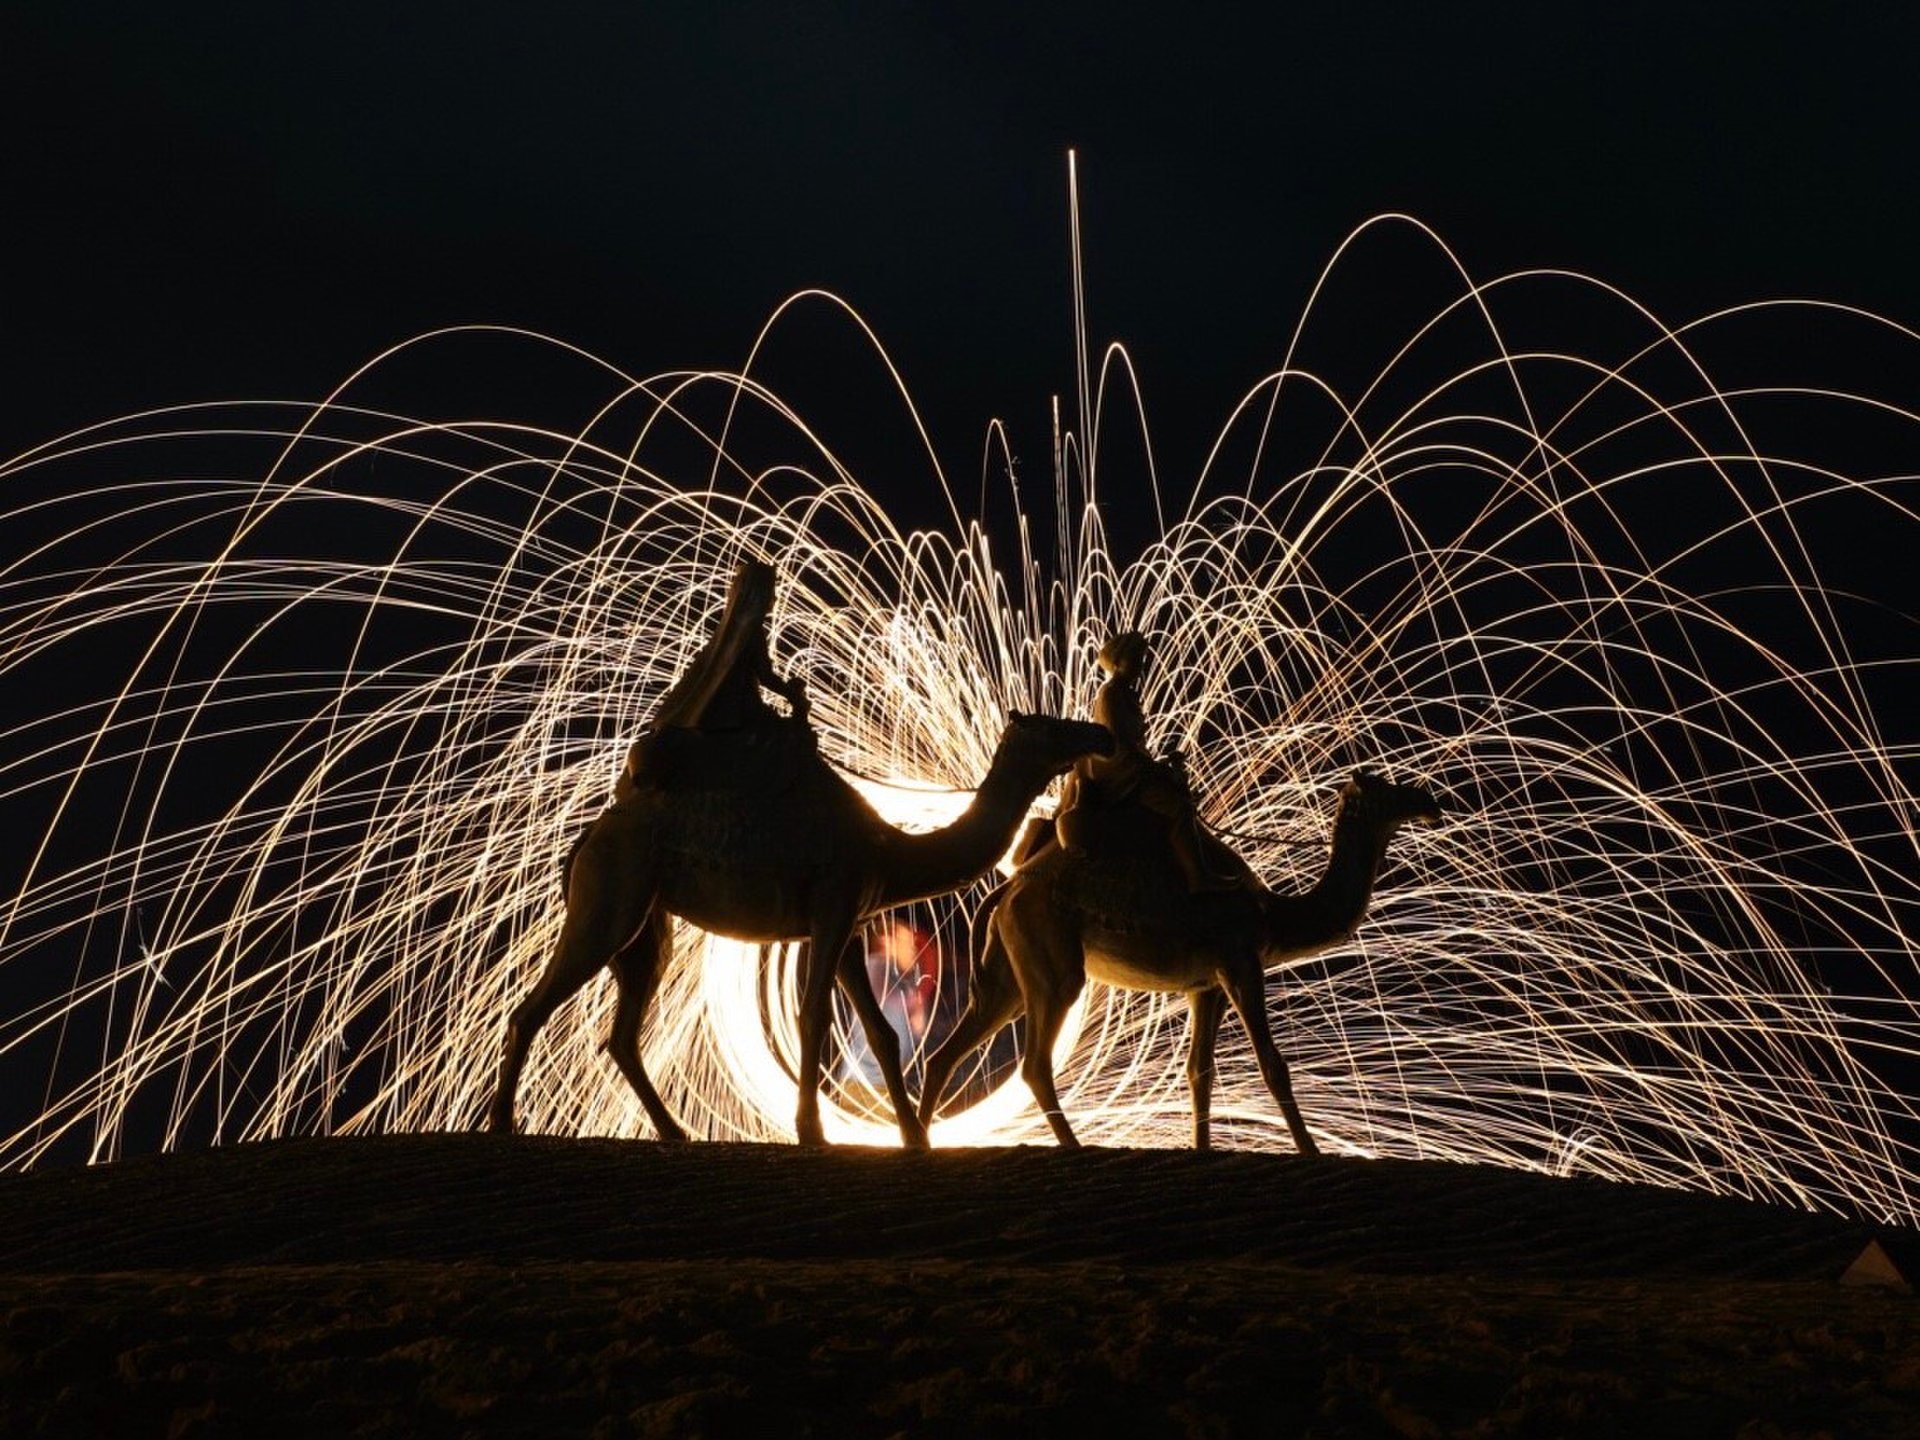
(1120,913)
(753,836)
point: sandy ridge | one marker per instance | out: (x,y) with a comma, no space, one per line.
(453,1197)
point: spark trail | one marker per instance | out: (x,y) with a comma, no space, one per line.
(305,703)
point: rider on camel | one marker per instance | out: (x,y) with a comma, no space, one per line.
(720,689)
(1132,774)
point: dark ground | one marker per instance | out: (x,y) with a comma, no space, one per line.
(450,1285)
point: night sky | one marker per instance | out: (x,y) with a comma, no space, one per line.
(224,201)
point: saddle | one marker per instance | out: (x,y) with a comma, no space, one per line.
(1106,824)
(1125,831)
(770,759)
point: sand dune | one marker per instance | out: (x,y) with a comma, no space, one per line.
(466,1284)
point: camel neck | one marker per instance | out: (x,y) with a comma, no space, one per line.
(958,854)
(1345,888)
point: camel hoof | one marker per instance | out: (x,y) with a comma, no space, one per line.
(914,1137)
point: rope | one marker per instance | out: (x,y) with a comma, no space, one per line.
(1258,839)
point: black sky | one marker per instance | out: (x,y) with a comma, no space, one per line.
(231,200)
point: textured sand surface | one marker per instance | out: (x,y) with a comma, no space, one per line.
(471,1285)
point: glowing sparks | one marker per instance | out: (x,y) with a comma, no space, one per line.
(290,867)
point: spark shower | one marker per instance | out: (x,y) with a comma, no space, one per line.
(305,703)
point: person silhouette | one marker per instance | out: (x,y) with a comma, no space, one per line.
(1132,774)
(903,967)
(720,688)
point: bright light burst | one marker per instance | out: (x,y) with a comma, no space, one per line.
(299,751)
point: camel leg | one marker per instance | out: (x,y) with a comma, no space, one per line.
(1205,1009)
(1051,966)
(992,1000)
(884,1043)
(637,969)
(586,943)
(832,930)
(1045,1015)
(601,919)
(1247,991)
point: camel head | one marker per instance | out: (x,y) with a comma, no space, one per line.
(1385,806)
(1045,747)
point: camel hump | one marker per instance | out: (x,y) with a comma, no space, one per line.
(764,760)
(1131,835)
(1113,828)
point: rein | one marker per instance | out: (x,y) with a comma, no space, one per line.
(1252,837)
(1259,839)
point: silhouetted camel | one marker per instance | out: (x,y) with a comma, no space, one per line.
(1121,913)
(758,839)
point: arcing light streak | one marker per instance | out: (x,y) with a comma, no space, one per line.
(290,863)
